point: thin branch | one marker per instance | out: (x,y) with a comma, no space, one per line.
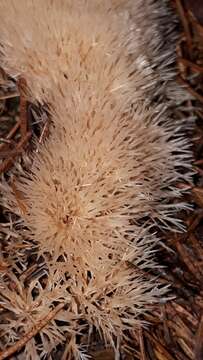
(31,333)
(19,148)
(10,134)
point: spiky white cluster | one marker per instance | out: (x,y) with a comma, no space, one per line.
(111,162)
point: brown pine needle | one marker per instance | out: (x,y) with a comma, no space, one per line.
(8,162)
(193,66)
(142,346)
(23,107)
(160,350)
(187,31)
(10,134)
(31,333)
(190,89)
(199,342)
(10,95)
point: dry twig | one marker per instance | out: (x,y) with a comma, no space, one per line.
(31,333)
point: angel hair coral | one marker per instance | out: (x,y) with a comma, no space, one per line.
(108,172)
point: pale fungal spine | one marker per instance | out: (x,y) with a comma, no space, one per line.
(113,159)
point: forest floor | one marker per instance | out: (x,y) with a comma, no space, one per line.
(176,330)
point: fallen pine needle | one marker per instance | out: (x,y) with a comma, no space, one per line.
(198,338)
(192,65)
(190,89)
(186,27)
(10,95)
(31,333)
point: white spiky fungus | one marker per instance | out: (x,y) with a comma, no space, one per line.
(108,171)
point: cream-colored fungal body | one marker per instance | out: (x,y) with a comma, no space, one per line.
(109,169)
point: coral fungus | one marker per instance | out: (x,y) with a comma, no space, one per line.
(107,173)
